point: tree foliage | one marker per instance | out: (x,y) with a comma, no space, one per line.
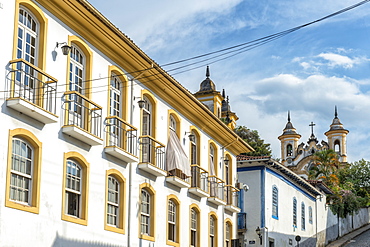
(350,183)
(253,139)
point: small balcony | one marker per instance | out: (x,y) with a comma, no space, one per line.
(178,178)
(242,222)
(199,184)
(232,195)
(121,139)
(152,156)
(217,191)
(82,118)
(31,91)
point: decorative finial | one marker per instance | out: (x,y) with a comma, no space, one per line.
(288,116)
(223,93)
(336,112)
(207,72)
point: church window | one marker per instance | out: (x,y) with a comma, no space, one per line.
(310,214)
(294,212)
(337,146)
(275,201)
(289,150)
(303,220)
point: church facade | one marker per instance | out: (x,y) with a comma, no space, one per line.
(298,156)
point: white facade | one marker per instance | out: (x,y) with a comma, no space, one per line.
(269,205)
(50,211)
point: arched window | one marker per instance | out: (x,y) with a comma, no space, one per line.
(194,149)
(228,235)
(147,118)
(228,165)
(27,45)
(310,214)
(75,188)
(212,231)
(115,95)
(173,124)
(145,212)
(194,227)
(303,220)
(173,221)
(294,212)
(337,146)
(289,150)
(115,189)
(172,215)
(23,173)
(213,159)
(275,202)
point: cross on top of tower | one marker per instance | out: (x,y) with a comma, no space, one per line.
(311,125)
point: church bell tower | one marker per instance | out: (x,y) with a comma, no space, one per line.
(289,143)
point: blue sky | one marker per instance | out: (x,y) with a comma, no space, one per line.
(307,72)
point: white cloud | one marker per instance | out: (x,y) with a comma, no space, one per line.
(336,60)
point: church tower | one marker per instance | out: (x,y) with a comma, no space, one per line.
(289,143)
(217,103)
(208,95)
(337,138)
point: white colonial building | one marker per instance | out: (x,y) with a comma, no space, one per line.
(278,205)
(99,146)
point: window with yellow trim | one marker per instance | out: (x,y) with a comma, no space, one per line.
(212,231)
(147,212)
(194,227)
(23,177)
(114,218)
(228,235)
(75,188)
(173,221)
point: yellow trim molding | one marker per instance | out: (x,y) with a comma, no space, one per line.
(29,137)
(177,118)
(198,235)
(214,216)
(85,187)
(124,94)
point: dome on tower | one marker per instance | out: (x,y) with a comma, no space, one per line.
(289,129)
(336,124)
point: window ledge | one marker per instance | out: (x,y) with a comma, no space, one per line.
(74,219)
(23,207)
(121,154)
(171,243)
(232,208)
(177,182)
(216,201)
(82,135)
(198,191)
(156,171)
(147,237)
(31,110)
(114,229)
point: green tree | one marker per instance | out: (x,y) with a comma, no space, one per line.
(253,139)
(325,166)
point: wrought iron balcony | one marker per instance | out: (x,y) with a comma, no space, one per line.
(232,195)
(31,91)
(82,118)
(242,221)
(152,156)
(217,190)
(199,184)
(178,178)
(121,140)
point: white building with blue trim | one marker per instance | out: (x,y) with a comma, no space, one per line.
(278,206)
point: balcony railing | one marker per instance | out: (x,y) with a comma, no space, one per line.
(121,134)
(242,221)
(232,195)
(31,84)
(82,113)
(199,178)
(152,153)
(217,188)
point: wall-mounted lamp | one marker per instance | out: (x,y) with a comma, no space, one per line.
(141,102)
(65,48)
(259,233)
(226,161)
(191,136)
